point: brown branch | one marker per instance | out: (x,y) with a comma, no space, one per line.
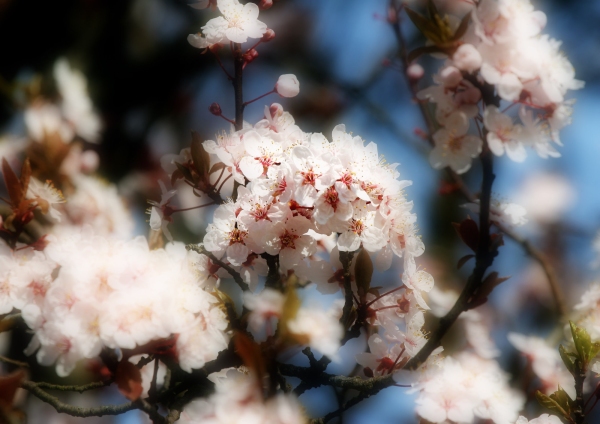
(237,81)
(97,411)
(80,388)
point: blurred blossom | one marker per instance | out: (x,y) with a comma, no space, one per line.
(546,197)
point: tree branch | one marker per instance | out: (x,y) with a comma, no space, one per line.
(97,411)
(238,86)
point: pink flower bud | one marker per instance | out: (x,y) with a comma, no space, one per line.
(451,76)
(215,109)
(287,86)
(415,72)
(268,35)
(265,4)
(467,58)
(250,55)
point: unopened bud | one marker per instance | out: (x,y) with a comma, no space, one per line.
(215,109)
(392,15)
(467,58)
(268,35)
(415,72)
(265,4)
(287,86)
(276,110)
(250,55)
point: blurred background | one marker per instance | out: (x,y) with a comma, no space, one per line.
(151,88)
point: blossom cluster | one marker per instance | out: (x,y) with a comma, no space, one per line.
(86,292)
(502,47)
(305,199)
(238,398)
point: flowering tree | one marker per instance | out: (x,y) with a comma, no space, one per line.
(227,329)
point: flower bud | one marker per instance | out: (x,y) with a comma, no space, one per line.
(249,56)
(215,109)
(415,72)
(467,58)
(287,86)
(268,35)
(265,4)
(451,76)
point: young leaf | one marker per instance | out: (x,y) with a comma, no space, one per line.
(200,156)
(250,353)
(583,344)
(13,185)
(129,380)
(25,175)
(566,359)
(468,232)
(552,405)
(184,171)
(463,261)
(363,271)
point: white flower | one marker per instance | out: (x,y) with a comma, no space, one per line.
(322,330)
(502,212)
(453,146)
(238,23)
(158,218)
(503,134)
(467,58)
(45,196)
(287,86)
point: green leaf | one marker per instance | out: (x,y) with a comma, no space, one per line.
(567,359)
(583,344)
(552,404)
(563,399)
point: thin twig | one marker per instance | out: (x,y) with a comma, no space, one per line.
(234,274)
(80,388)
(98,411)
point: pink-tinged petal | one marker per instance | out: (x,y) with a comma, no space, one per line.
(237,254)
(495,144)
(516,151)
(237,35)
(288,258)
(306,195)
(348,242)
(373,239)
(251,168)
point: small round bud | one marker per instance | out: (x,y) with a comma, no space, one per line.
(268,35)
(265,4)
(250,55)
(287,86)
(276,110)
(467,58)
(215,109)
(415,72)
(451,76)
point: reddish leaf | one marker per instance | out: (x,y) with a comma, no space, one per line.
(129,380)
(13,185)
(250,352)
(25,175)
(176,175)
(9,385)
(363,272)
(463,261)
(216,167)
(468,232)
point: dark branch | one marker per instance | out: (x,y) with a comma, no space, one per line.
(234,274)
